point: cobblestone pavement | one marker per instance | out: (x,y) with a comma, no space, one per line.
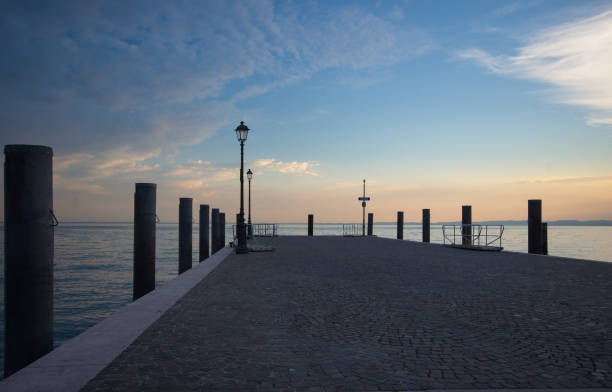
(343,314)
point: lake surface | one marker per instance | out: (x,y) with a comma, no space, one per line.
(93,262)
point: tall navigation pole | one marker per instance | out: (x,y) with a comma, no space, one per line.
(363,204)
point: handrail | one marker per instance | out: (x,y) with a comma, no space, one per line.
(262,229)
(258,230)
(352,229)
(471,235)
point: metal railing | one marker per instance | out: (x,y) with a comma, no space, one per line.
(258,230)
(352,229)
(262,230)
(474,236)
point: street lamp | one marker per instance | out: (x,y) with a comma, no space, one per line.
(250,228)
(241,133)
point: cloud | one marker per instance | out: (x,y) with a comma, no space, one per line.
(61,183)
(190,184)
(599,121)
(567,180)
(62,163)
(84,172)
(124,159)
(295,167)
(117,89)
(513,7)
(198,174)
(396,13)
(99,76)
(574,58)
(225,174)
(106,164)
(507,9)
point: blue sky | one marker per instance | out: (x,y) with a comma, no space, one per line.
(435,103)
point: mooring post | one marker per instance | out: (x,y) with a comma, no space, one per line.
(534,226)
(28,254)
(466,225)
(144,239)
(221,230)
(370,223)
(185,233)
(426,223)
(544,238)
(310,224)
(400,225)
(214,230)
(204,232)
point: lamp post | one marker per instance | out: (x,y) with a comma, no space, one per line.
(250,228)
(241,133)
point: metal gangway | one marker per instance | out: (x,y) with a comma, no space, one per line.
(474,236)
(352,229)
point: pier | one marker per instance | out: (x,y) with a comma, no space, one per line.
(191,211)
(358,313)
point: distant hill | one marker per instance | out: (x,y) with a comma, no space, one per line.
(569,222)
(601,222)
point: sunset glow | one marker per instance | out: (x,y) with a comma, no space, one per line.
(436,104)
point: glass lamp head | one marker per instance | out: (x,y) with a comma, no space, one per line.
(250,175)
(242,132)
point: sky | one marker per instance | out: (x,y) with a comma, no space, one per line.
(437,104)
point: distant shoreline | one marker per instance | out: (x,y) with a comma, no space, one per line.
(602,222)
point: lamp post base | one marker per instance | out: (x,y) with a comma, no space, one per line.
(241,232)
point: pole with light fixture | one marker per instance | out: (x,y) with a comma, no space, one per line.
(242,132)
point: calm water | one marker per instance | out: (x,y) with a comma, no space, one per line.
(93,262)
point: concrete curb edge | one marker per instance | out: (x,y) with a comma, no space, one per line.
(73,364)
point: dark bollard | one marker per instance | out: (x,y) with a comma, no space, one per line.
(221,230)
(426,225)
(28,254)
(204,232)
(400,225)
(310,225)
(534,226)
(144,239)
(466,225)
(370,223)
(185,233)
(214,230)
(544,238)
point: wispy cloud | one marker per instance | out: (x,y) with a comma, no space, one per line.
(201,174)
(224,174)
(62,163)
(599,120)
(106,164)
(567,180)
(190,184)
(81,172)
(295,167)
(574,58)
(153,74)
(123,160)
(513,7)
(77,185)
